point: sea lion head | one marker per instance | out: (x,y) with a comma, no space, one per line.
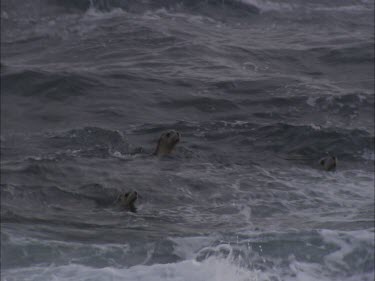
(167,142)
(328,163)
(128,199)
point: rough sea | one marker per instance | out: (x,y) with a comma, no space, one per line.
(259,90)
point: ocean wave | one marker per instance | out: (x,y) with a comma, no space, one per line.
(201,104)
(47,85)
(313,142)
(250,6)
(43,197)
(351,105)
(65,252)
(31,12)
(90,142)
(253,87)
(245,258)
(285,138)
(107,5)
(363,53)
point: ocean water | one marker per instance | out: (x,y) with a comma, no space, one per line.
(87,87)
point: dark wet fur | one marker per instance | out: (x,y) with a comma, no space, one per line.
(127,201)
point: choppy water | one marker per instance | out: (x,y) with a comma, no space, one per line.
(87,88)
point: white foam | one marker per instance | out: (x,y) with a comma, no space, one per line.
(197,19)
(266,6)
(93,12)
(346,241)
(118,154)
(223,262)
(211,269)
(269,5)
(368,155)
(186,247)
(312,101)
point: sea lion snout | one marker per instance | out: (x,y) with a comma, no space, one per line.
(173,136)
(131,197)
(128,199)
(329,163)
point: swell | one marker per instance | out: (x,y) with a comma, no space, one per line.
(47,85)
(361,54)
(44,197)
(220,142)
(137,6)
(90,139)
(240,6)
(278,137)
(313,142)
(310,141)
(340,105)
(204,104)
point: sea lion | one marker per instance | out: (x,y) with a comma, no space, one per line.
(328,163)
(167,142)
(127,200)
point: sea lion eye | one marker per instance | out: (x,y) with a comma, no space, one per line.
(168,135)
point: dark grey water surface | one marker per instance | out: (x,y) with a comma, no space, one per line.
(87,88)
